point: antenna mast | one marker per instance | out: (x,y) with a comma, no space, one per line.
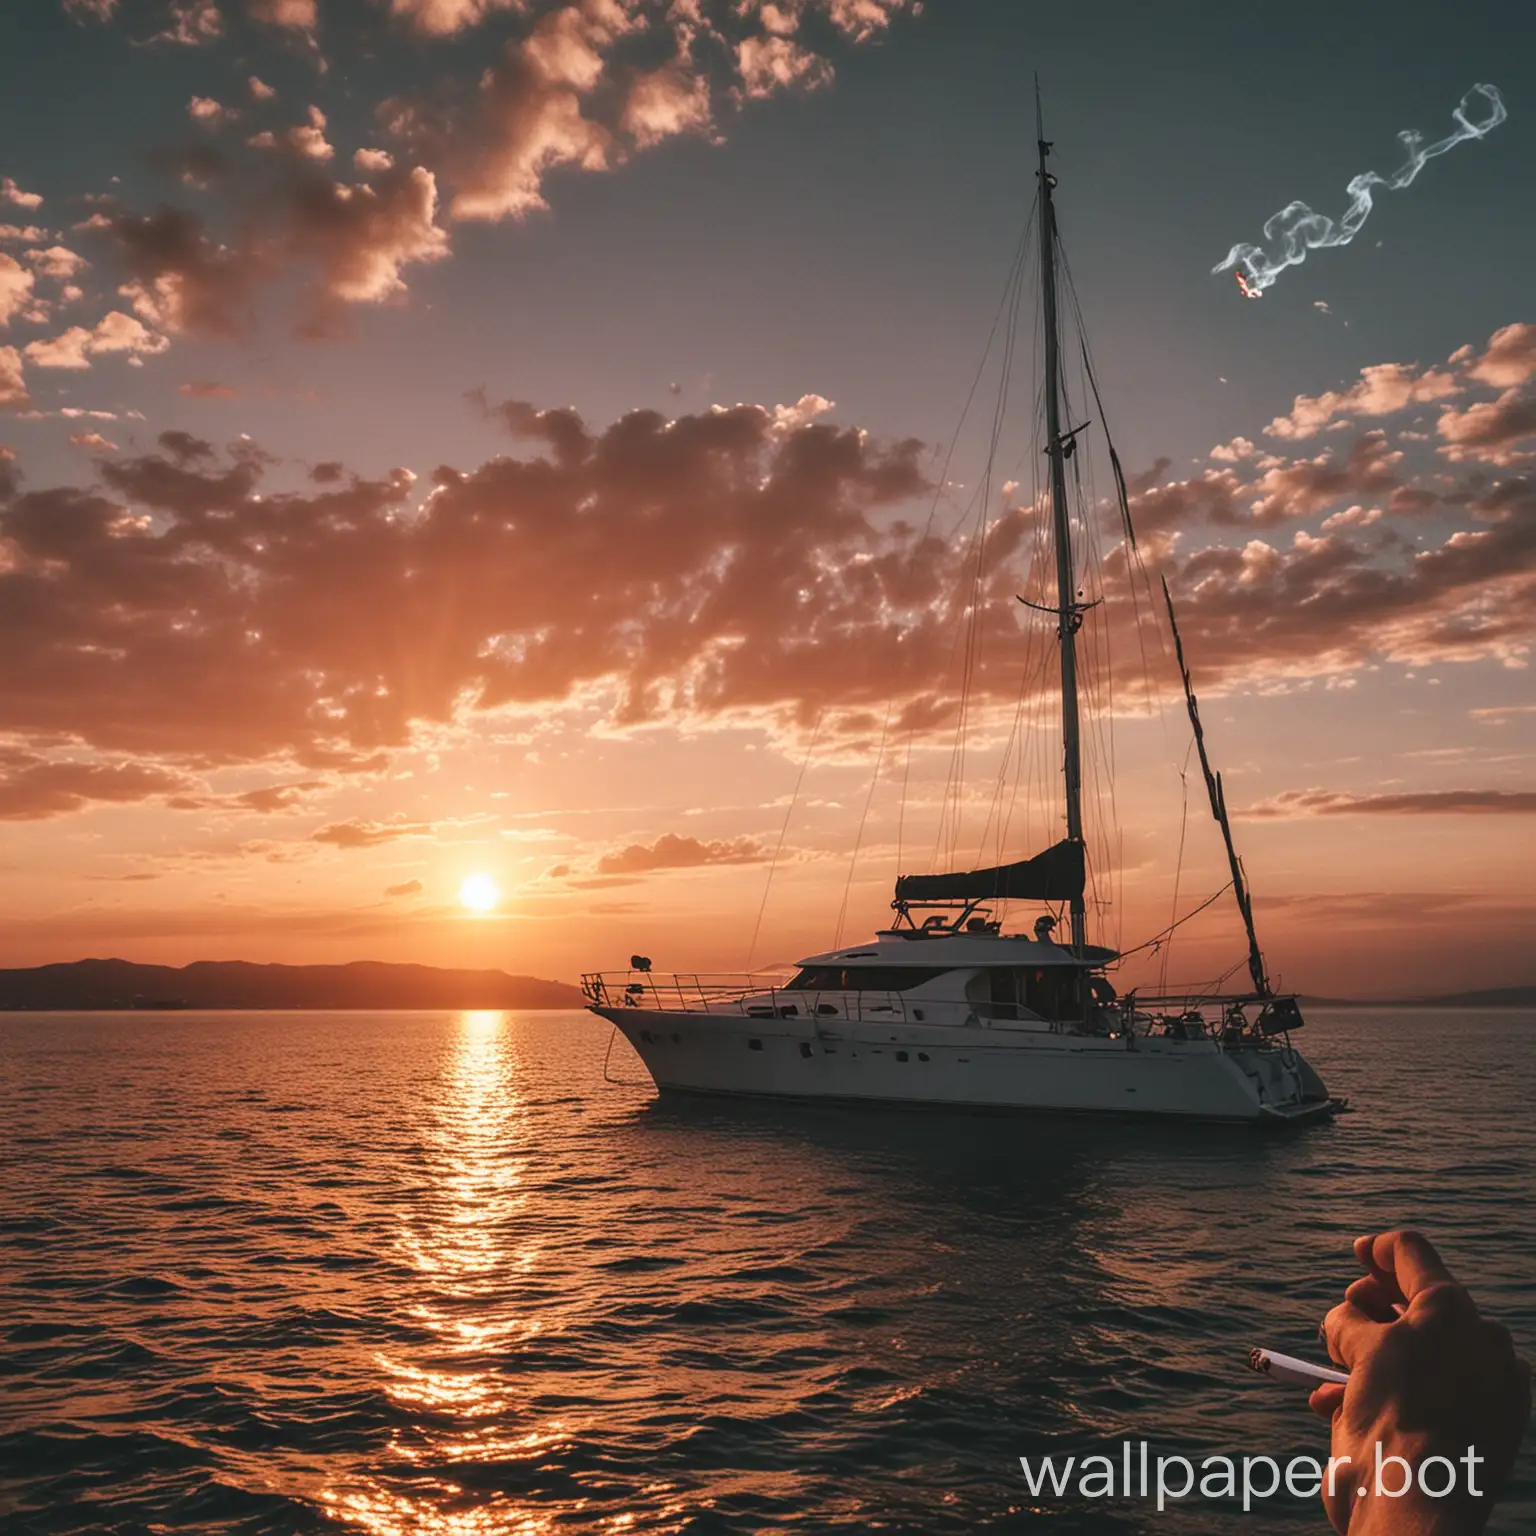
(1058,446)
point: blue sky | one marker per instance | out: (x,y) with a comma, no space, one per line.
(853,241)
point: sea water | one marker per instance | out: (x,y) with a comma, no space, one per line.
(423,1273)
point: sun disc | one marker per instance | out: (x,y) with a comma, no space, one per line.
(479,893)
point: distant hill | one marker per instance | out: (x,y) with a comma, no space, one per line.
(240,984)
(1494,997)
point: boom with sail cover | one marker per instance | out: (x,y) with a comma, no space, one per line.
(1055,875)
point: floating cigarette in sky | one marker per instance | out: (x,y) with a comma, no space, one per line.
(1296,229)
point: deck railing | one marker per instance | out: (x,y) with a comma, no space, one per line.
(759,994)
(679,991)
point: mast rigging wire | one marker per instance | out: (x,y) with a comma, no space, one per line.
(973,609)
(874,779)
(1157,938)
(1178,868)
(779,847)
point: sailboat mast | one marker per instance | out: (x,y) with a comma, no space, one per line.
(1069,612)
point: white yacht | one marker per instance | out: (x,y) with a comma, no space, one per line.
(944,1007)
(955,1012)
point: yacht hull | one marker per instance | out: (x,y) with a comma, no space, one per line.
(982,1067)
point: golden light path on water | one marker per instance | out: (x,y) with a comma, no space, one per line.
(458,1246)
(471,1245)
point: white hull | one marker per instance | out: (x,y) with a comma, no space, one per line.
(987,1066)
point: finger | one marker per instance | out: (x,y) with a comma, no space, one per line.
(1375,1297)
(1364,1254)
(1410,1259)
(1327,1399)
(1349,1332)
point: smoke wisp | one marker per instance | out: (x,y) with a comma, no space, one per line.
(1297,229)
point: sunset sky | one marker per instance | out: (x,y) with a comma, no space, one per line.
(454,438)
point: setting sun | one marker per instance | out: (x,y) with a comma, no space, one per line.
(479,893)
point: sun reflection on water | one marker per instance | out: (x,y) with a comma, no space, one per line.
(467,1242)
(508,1267)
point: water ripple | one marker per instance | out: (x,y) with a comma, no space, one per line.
(430,1273)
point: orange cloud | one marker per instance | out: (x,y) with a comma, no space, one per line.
(243,623)
(1382,390)
(306,140)
(266,801)
(205,110)
(581,84)
(773,63)
(15,288)
(33,788)
(663,103)
(299,14)
(1510,357)
(114,333)
(361,235)
(1490,430)
(369,834)
(744,562)
(191,24)
(442,18)
(206,389)
(197,23)
(354,238)
(180,279)
(1445,802)
(13,388)
(11,193)
(670,851)
(1305,487)
(524,119)
(57,261)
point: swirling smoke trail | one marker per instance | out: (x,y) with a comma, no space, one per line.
(1296,229)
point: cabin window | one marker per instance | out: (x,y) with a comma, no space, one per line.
(1054,991)
(863,978)
(1049,991)
(1006,994)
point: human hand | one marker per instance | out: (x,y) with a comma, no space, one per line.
(1438,1381)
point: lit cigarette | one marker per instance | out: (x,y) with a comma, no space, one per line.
(1301,1373)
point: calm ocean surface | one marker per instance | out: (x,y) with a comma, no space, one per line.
(412,1273)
